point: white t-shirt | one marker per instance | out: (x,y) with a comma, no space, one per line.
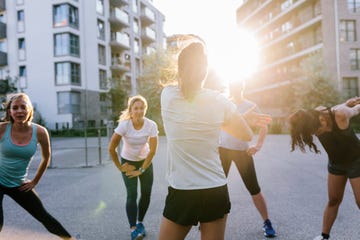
(192,130)
(135,142)
(231,142)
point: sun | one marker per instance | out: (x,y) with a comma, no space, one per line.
(235,55)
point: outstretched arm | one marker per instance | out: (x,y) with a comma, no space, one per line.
(344,112)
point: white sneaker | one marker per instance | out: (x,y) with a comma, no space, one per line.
(319,238)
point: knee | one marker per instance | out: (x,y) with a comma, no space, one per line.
(334,202)
(132,196)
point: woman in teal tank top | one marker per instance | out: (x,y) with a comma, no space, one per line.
(18,142)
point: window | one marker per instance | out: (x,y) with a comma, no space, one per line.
(100,7)
(355,58)
(348,31)
(350,87)
(102,79)
(66,44)
(68,102)
(20,21)
(353,5)
(134,6)
(65,15)
(22,77)
(101,30)
(67,73)
(136,46)
(21,48)
(136,26)
(102,54)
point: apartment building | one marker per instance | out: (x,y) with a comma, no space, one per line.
(63,53)
(289,31)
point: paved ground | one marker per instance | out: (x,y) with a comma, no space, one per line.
(89,198)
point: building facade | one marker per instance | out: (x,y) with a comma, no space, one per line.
(67,54)
(289,31)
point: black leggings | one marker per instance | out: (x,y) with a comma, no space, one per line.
(33,205)
(245,166)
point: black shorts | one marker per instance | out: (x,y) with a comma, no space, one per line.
(188,207)
(351,170)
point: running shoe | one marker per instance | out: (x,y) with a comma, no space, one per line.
(135,235)
(320,238)
(269,231)
(141,229)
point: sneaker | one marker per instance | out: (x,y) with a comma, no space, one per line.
(269,231)
(135,235)
(141,229)
(320,238)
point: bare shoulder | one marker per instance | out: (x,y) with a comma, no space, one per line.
(41,131)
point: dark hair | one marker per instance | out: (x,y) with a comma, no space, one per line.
(192,69)
(303,125)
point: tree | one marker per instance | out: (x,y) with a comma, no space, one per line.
(315,86)
(118,95)
(159,70)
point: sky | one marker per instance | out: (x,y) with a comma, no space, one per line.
(206,18)
(215,22)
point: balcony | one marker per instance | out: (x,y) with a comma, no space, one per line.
(2,5)
(119,66)
(119,3)
(119,41)
(118,19)
(3,59)
(147,17)
(148,36)
(2,30)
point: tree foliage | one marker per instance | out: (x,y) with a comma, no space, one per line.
(118,94)
(159,70)
(315,87)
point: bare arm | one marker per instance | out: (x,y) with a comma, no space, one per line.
(114,143)
(344,112)
(44,141)
(238,127)
(262,134)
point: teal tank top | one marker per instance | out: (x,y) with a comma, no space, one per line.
(15,159)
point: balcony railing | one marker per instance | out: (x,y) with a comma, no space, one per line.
(118,18)
(148,35)
(147,16)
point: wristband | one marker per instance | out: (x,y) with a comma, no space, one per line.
(141,170)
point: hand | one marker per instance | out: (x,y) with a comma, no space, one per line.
(132,174)
(127,167)
(352,101)
(257,119)
(252,150)
(27,186)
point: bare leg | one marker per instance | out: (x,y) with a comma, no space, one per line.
(336,187)
(170,230)
(260,205)
(355,184)
(214,230)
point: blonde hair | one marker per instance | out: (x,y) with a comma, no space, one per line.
(12,99)
(125,115)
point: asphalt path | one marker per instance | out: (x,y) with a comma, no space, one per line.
(88,196)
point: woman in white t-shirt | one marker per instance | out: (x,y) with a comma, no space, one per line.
(140,139)
(193,117)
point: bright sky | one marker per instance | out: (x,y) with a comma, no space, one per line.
(215,22)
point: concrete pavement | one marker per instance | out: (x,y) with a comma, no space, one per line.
(89,199)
